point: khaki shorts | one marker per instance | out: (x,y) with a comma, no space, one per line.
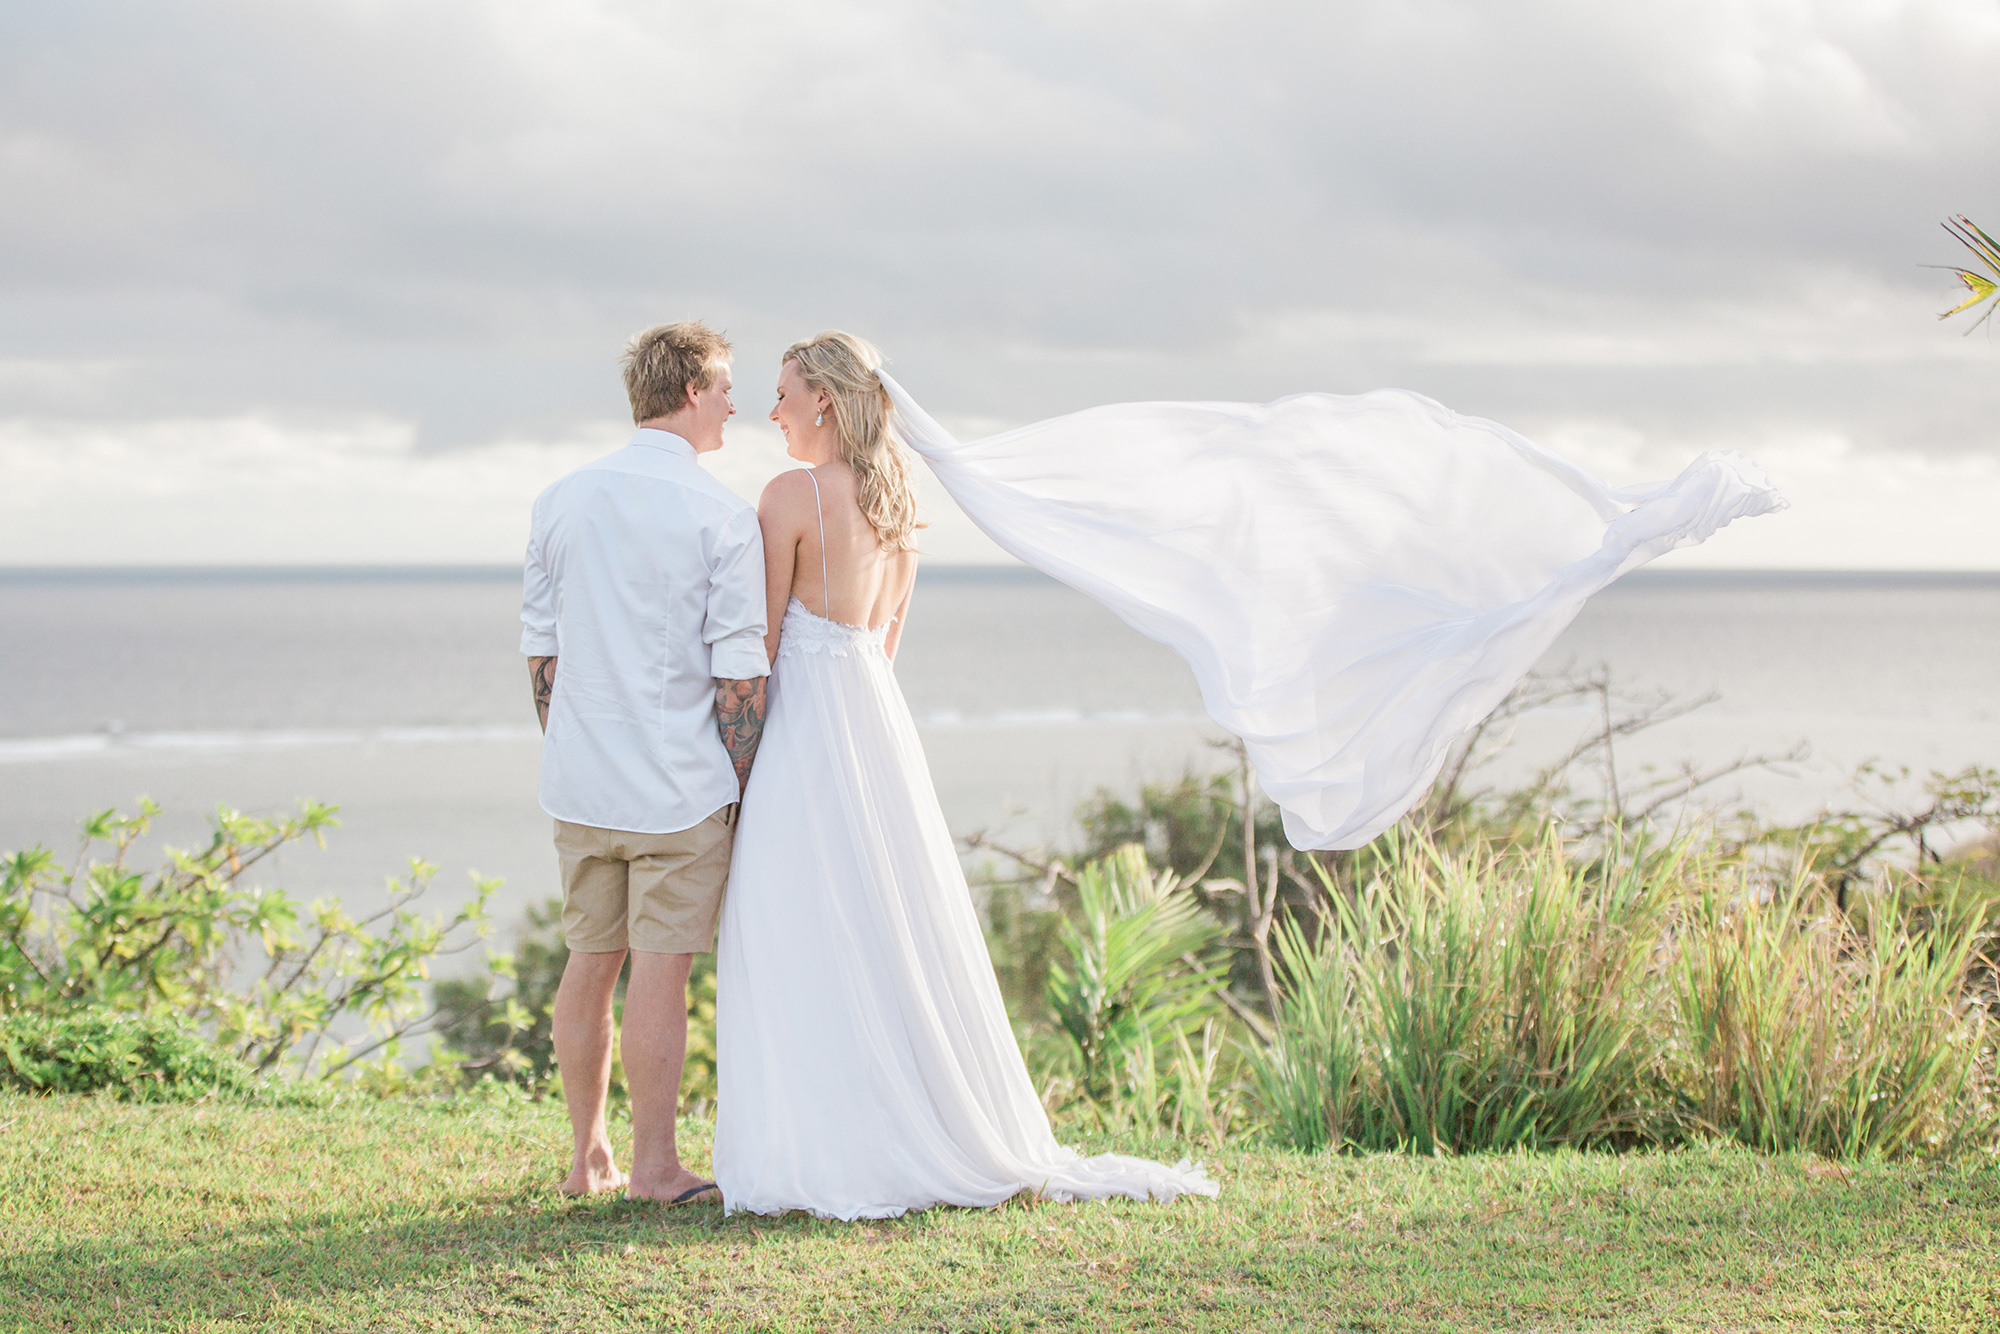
(661,893)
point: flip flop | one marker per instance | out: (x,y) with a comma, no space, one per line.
(681,1198)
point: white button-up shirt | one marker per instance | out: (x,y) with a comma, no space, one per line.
(645,579)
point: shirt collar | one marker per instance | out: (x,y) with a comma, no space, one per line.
(666,440)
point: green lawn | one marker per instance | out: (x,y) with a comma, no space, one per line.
(389,1216)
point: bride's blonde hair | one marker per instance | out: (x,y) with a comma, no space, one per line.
(845,369)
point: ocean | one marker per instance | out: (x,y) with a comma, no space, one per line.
(399,696)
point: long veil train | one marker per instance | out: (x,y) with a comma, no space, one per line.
(1355,581)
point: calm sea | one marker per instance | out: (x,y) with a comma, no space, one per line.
(399,695)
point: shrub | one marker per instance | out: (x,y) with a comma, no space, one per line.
(142,1058)
(269,977)
(502,1025)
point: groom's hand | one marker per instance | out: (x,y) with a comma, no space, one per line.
(739,714)
(542,676)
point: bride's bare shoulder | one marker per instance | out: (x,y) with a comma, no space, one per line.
(787,497)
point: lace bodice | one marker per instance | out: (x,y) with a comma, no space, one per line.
(804,631)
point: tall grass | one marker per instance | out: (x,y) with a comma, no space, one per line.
(1468,1000)
(1308,1080)
(1487,998)
(1798,1027)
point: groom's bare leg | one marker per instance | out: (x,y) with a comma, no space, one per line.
(581,1029)
(655,1047)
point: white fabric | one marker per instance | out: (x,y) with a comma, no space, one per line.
(865,1062)
(645,580)
(1356,581)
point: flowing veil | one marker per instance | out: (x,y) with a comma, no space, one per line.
(1355,580)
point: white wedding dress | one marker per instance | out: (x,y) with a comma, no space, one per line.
(865,1061)
(1355,582)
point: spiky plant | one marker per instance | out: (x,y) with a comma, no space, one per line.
(1980,286)
(1137,975)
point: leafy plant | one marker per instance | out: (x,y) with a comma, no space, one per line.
(1133,984)
(269,977)
(140,1058)
(1206,830)
(501,1023)
(1191,826)
(1848,846)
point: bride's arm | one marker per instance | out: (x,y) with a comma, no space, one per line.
(895,635)
(781,517)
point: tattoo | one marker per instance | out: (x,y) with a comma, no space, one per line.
(542,676)
(739,714)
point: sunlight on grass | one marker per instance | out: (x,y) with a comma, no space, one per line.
(394,1215)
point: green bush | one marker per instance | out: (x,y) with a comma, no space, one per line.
(139,1057)
(271,978)
(501,1026)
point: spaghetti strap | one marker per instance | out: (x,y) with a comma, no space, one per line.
(825,592)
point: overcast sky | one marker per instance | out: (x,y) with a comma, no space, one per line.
(347,281)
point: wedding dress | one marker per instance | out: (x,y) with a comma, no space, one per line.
(1356,581)
(864,1056)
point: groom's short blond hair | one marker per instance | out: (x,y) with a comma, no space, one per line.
(662,363)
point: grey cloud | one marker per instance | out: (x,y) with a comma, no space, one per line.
(453,213)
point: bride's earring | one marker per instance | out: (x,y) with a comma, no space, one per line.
(819,418)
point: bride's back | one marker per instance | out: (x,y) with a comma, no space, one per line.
(838,536)
(843,572)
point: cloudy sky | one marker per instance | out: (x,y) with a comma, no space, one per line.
(346,282)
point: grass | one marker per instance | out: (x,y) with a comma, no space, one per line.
(1487,998)
(397,1216)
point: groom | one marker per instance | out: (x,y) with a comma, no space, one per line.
(643,624)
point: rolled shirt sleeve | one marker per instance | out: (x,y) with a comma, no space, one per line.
(736,621)
(538,598)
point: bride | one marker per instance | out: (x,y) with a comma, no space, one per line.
(865,1061)
(1354,581)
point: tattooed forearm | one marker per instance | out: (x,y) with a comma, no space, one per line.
(739,713)
(542,676)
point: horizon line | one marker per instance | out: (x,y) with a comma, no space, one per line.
(470,572)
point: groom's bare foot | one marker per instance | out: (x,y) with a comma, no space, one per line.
(592,1177)
(580,1182)
(678,1187)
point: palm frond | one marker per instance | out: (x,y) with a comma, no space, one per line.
(1980,286)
